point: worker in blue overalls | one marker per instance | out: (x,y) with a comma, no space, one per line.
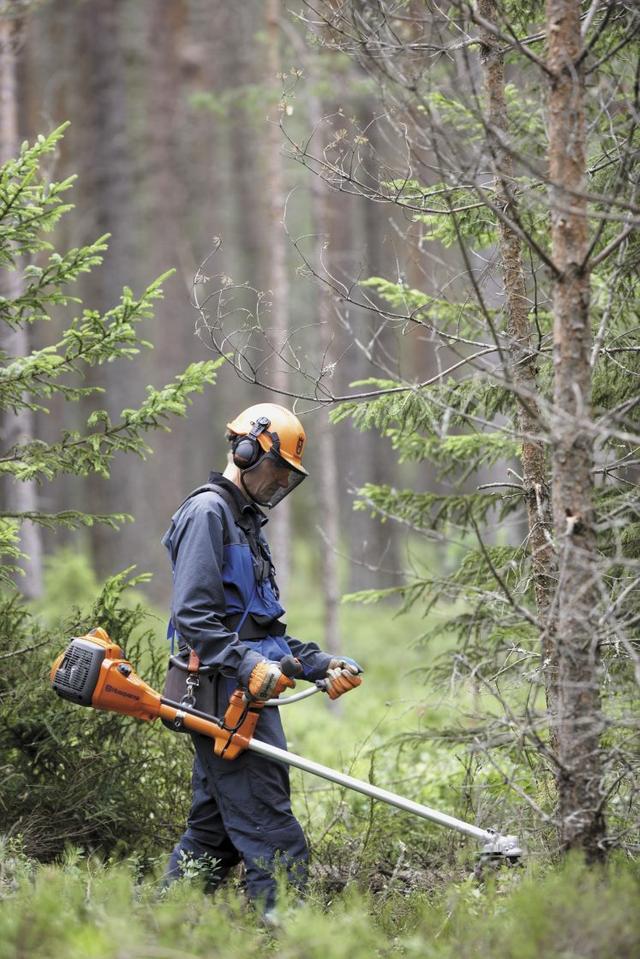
(226,610)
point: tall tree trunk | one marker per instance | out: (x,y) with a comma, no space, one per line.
(17,427)
(242,70)
(108,182)
(325,433)
(49,95)
(384,538)
(327,461)
(522,369)
(579,717)
(224,195)
(163,200)
(278,282)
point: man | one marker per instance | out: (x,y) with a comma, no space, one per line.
(226,610)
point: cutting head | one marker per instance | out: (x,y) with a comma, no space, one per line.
(501,849)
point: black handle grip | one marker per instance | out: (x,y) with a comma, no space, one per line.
(291,666)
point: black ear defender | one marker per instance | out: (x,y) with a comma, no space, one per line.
(246,449)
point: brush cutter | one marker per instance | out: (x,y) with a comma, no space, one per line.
(93,671)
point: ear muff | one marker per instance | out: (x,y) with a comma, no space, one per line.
(246,452)
(246,449)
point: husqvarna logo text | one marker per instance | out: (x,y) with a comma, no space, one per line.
(119,692)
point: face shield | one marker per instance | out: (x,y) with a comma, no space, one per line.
(270,479)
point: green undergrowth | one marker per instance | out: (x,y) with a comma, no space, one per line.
(84,909)
(383,883)
(386,732)
(119,787)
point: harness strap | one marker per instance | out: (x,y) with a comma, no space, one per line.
(250,629)
(261,555)
(237,623)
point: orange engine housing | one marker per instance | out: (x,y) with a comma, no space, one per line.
(93,671)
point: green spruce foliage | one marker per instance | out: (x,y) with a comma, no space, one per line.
(460,428)
(78,776)
(30,207)
(67,778)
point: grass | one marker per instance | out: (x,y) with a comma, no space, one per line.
(82,909)
(383,883)
(361,734)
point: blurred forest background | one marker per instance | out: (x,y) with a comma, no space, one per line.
(174,111)
(417,224)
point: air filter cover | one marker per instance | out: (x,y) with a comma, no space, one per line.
(77,675)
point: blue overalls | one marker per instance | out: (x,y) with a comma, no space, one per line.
(241,809)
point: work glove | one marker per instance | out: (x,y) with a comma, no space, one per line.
(342,675)
(267,680)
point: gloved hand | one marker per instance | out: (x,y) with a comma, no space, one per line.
(342,675)
(267,680)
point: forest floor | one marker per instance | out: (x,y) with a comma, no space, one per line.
(86,909)
(383,883)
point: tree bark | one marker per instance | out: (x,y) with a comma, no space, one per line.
(327,464)
(385,539)
(278,282)
(18,426)
(242,70)
(108,183)
(164,203)
(521,371)
(579,718)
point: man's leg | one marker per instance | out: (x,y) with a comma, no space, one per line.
(252,794)
(205,841)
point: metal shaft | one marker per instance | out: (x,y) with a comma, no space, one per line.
(495,840)
(374,792)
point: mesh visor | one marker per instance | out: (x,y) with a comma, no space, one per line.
(270,480)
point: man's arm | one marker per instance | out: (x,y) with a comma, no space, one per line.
(341,674)
(315,663)
(198,605)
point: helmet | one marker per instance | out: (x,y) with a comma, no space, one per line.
(267,441)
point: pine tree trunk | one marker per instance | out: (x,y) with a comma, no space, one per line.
(522,369)
(108,177)
(242,69)
(579,717)
(383,469)
(164,206)
(17,427)
(277,282)
(325,433)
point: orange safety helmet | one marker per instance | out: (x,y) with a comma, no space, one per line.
(267,441)
(282,422)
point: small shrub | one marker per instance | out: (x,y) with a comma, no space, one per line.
(82,909)
(97,780)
